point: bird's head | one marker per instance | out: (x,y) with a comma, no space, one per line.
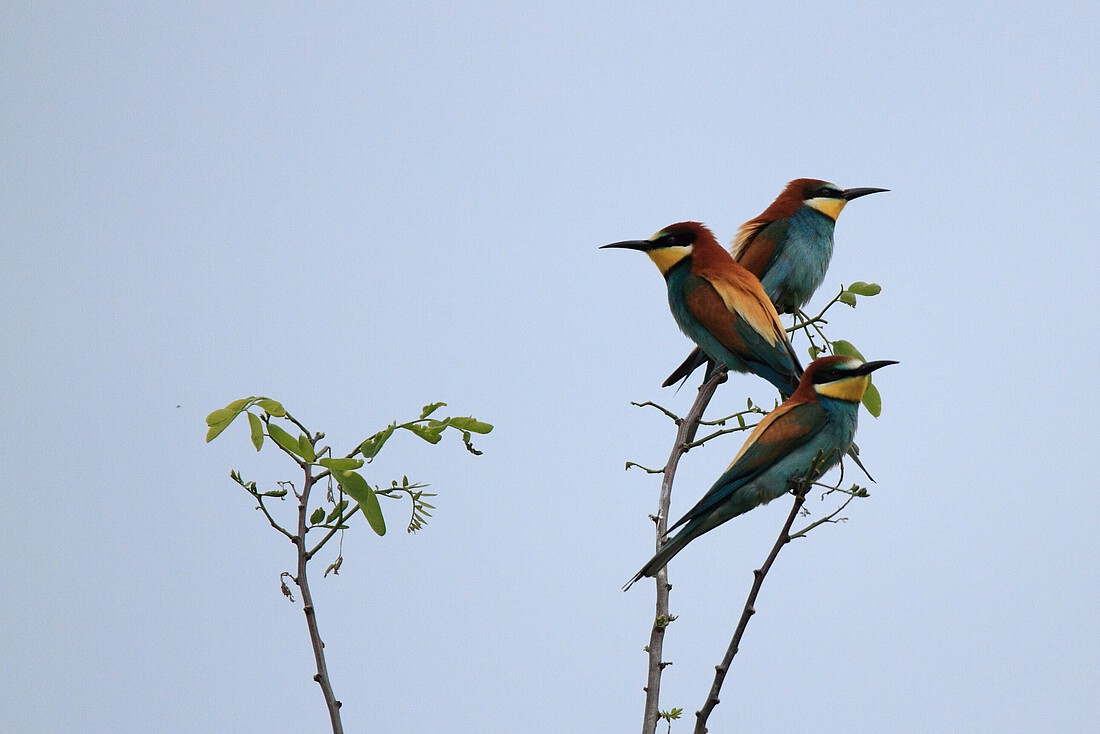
(827,198)
(671,245)
(840,377)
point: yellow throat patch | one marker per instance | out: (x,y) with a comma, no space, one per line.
(666,257)
(829,207)
(850,388)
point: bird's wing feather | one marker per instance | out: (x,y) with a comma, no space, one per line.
(754,248)
(734,308)
(744,296)
(711,310)
(786,428)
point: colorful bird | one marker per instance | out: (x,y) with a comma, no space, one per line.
(818,420)
(788,247)
(719,305)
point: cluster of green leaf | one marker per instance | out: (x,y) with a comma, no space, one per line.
(264,415)
(670,716)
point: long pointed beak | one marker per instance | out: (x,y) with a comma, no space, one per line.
(642,245)
(850,194)
(869,367)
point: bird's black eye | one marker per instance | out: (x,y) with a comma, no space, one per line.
(676,239)
(827,192)
(829,375)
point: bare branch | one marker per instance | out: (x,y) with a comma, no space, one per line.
(716,434)
(830,518)
(651,404)
(722,668)
(687,427)
(302,581)
(646,469)
(260,499)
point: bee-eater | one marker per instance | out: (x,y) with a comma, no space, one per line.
(788,247)
(719,305)
(819,419)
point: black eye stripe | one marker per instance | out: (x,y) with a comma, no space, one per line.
(676,239)
(829,375)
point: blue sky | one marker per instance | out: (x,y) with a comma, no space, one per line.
(360,211)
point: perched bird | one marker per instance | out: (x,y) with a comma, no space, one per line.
(719,305)
(820,418)
(788,247)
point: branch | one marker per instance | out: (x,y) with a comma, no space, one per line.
(827,519)
(688,425)
(260,499)
(301,580)
(340,521)
(722,668)
(305,431)
(716,434)
(651,404)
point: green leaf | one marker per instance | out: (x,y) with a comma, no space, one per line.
(215,429)
(284,439)
(317,516)
(358,489)
(220,419)
(431,434)
(273,407)
(341,464)
(305,448)
(814,352)
(847,299)
(337,511)
(865,289)
(257,428)
(221,415)
(370,448)
(430,408)
(872,400)
(847,349)
(468,423)
(239,405)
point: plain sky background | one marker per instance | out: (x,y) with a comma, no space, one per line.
(359,211)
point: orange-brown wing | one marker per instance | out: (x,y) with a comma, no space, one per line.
(743,295)
(755,245)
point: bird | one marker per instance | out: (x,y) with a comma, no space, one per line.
(788,247)
(810,430)
(719,305)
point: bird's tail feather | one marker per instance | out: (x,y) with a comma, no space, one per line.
(692,363)
(663,556)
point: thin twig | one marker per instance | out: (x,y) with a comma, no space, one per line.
(304,430)
(722,668)
(716,434)
(651,404)
(344,517)
(260,499)
(687,427)
(827,519)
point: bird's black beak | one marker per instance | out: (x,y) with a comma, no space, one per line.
(868,367)
(850,194)
(641,245)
